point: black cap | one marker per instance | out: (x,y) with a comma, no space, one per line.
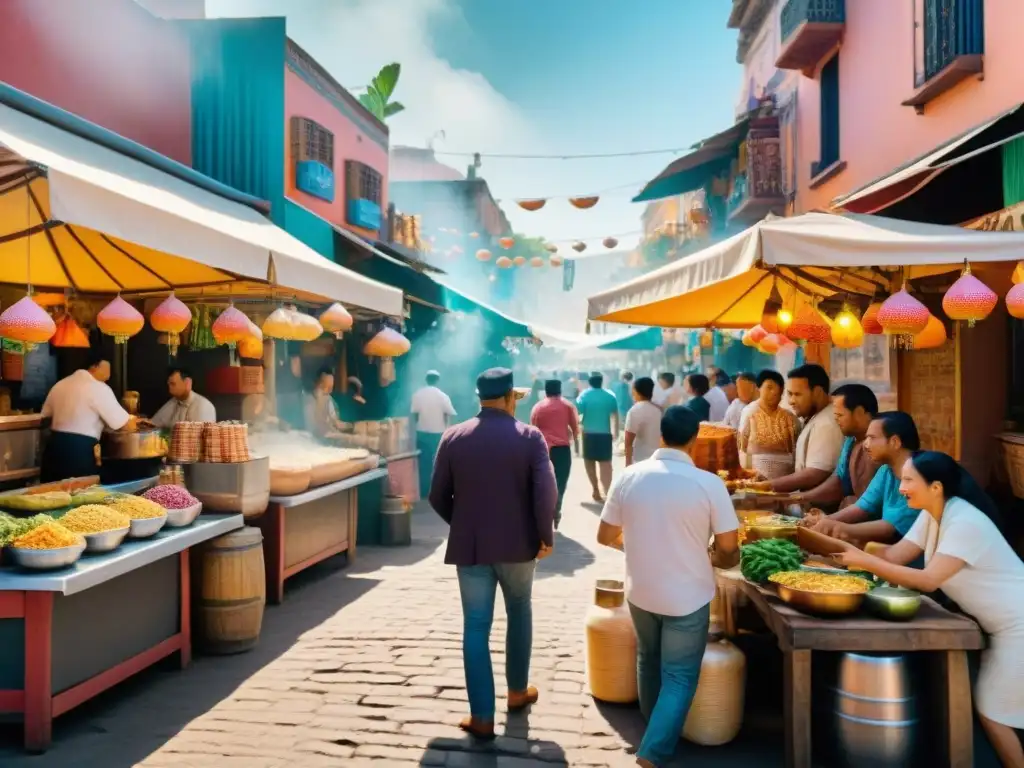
(552,387)
(494,383)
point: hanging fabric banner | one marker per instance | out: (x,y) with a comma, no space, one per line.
(568,275)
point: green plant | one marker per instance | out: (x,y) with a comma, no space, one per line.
(377,98)
(760,559)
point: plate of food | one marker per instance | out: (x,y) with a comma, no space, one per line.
(825,594)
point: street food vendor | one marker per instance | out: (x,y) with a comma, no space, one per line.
(768,432)
(79,406)
(185,404)
(820,441)
(855,407)
(321,410)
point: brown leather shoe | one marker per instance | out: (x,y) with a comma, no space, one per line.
(478,729)
(518,700)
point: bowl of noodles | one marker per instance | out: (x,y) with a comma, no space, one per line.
(819,593)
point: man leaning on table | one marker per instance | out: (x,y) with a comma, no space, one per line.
(185,404)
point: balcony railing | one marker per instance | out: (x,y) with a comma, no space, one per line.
(810,29)
(952,28)
(758,190)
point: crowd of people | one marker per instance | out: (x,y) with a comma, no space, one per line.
(913,517)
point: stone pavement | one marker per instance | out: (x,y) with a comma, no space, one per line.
(362,666)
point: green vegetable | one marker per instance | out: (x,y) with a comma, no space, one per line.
(13,527)
(760,559)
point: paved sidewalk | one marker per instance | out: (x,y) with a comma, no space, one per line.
(362,666)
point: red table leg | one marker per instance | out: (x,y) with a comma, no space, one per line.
(185,655)
(38,685)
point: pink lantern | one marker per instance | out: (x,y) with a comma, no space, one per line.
(756,334)
(230,327)
(902,316)
(171,317)
(969,299)
(870,322)
(27,322)
(120,320)
(1015,301)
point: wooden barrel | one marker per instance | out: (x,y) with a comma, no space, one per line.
(233,591)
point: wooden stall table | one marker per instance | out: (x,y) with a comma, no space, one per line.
(68,635)
(933,629)
(302,530)
(404,476)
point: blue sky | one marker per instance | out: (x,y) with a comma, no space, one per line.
(536,77)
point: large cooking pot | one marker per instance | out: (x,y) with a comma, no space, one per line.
(140,444)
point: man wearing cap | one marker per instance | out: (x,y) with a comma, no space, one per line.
(556,418)
(431,411)
(494,485)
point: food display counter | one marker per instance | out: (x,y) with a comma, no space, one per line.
(404,476)
(70,634)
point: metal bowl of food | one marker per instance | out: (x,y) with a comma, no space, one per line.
(105,541)
(776,527)
(179,518)
(144,527)
(46,559)
(821,593)
(894,603)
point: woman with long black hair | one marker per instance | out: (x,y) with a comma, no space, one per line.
(969,559)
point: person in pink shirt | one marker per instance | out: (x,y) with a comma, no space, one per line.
(556,418)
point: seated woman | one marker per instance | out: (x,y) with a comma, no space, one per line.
(967,558)
(768,432)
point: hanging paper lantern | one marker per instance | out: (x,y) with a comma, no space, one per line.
(870,322)
(933,335)
(70,334)
(531,205)
(507,242)
(336,319)
(230,327)
(536,261)
(1015,301)
(519,261)
(50,299)
(172,318)
(504,262)
(250,348)
(27,322)
(783,320)
(747,340)
(847,332)
(969,299)
(579,246)
(120,320)
(483,255)
(770,344)
(756,334)
(280,325)
(551,248)
(809,325)
(556,260)
(474,235)
(902,316)
(770,312)
(1018,273)
(707,339)
(609,242)
(387,343)
(584,202)
(306,328)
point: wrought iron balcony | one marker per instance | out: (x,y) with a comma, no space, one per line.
(810,29)
(759,189)
(950,42)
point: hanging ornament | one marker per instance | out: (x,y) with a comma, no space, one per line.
(933,335)
(784,320)
(386,345)
(503,262)
(847,332)
(609,242)
(870,322)
(307,328)
(969,299)
(474,235)
(902,316)
(230,327)
(770,344)
(536,261)
(1015,301)
(756,334)
(279,325)
(584,202)
(171,317)
(556,260)
(27,322)
(519,261)
(551,248)
(250,348)
(809,325)
(336,319)
(507,242)
(747,340)
(70,334)
(483,255)
(531,205)
(707,339)
(1018,273)
(120,320)
(770,312)
(579,246)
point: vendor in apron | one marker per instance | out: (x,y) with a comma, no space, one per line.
(79,407)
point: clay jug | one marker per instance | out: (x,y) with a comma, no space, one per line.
(611,645)
(717,711)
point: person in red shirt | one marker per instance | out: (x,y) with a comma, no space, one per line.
(556,418)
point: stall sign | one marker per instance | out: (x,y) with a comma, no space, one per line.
(315,178)
(1007,220)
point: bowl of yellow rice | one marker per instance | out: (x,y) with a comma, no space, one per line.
(821,593)
(147,517)
(103,528)
(47,547)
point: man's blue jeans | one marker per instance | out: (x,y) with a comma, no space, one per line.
(477,586)
(669,654)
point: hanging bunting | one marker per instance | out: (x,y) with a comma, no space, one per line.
(503,262)
(519,261)
(483,255)
(536,261)
(551,248)
(579,246)
(532,205)
(507,242)
(583,203)
(556,260)
(609,242)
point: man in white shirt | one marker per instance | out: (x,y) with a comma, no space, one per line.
(643,423)
(185,404)
(431,412)
(79,406)
(662,512)
(821,440)
(667,393)
(717,398)
(746,393)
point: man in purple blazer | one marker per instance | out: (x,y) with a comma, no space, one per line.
(494,485)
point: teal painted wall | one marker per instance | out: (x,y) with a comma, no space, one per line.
(238,125)
(310,229)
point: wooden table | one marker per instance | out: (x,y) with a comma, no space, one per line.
(933,629)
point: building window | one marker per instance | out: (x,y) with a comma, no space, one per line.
(946,30)
(311,141)
(363,182)
(829,122)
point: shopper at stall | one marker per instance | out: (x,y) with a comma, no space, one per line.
(185,403)
(696,387)
(717,397)
(494,486)
(599,412)
(667,393)
(79,407)
(556,418)
(746,393)
(321,410)
(855,407)
(662,512)
(624,394)
(971,562)
(643,423)
(820,441)
(431,412)
(768,432)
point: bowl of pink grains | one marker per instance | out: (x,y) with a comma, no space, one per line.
(182,507)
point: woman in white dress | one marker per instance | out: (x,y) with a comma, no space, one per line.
(969,559)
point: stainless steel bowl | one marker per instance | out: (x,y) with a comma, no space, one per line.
(179,518)
(46,559)
(821,603)
(105,541)
(143,528)
(894,603)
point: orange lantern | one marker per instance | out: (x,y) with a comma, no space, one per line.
(483,255)
(969,299)
(809,325)
(280,325)
(707,339)
(847,332)
(870,322)
(556,260)
(519,261)
(770,344)
(70,334)
(230,327)
(27,322)
(387,343)
(933,335)
(336,319)
(503,262)
(756,334)
(1015,301)
(902,316)
(579,246)
(784,320)
(551,248)
(609,242)
(506,242)
(536,261)
(531,205)
(50,299)
(120,320)
(584,202)
(748,341)
(250,348)
(171,317)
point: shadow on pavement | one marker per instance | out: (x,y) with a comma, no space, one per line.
(511,747)
(569,556)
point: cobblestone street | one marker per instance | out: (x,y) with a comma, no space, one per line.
(362,665)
